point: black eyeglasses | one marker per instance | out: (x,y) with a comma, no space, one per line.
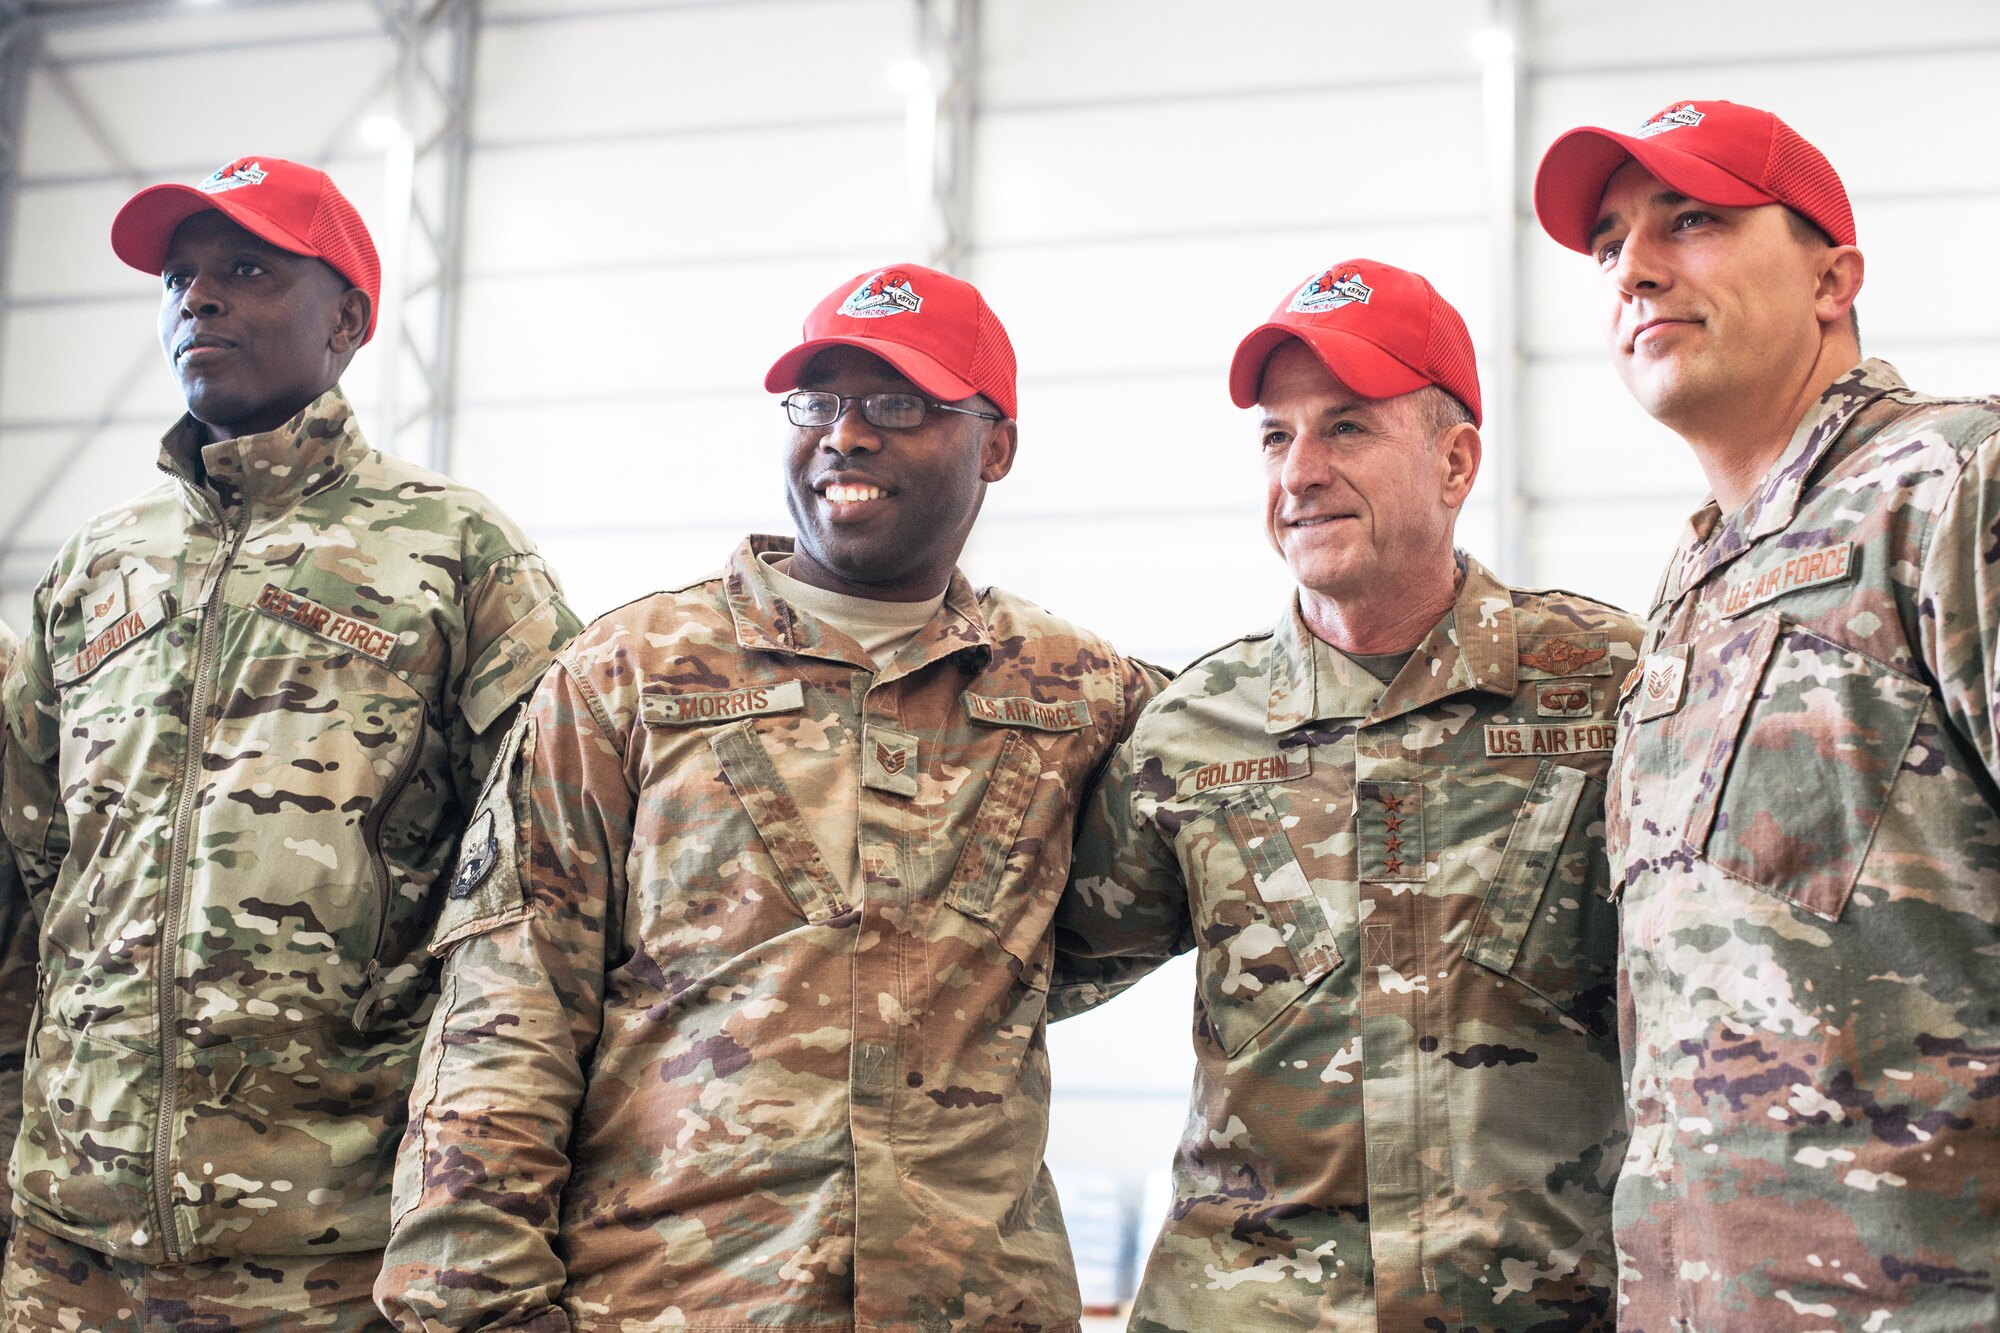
(888,411)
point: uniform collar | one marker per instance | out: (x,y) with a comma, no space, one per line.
(1713,538)
(765,622)
(1472,648)
(275,468)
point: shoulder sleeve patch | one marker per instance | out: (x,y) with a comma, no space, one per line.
(509,666)
(486,891)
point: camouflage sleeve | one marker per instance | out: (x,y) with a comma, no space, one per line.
(32,816)
(1125,910)
(516,621)
(1958,605)
(535,900)
(1143,680)
(19,952)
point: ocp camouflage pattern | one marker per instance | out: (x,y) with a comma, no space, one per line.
(682,1075)
(245,728)
(1805,820)
(17,956)
(1406,1112)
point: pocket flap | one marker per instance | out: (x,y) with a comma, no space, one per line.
(1522,876)
(769,803)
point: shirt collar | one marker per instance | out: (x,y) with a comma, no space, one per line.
(272,469)
(1472,648)
(765,622)
(1714,539)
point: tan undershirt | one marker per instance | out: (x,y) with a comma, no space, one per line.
(882,629)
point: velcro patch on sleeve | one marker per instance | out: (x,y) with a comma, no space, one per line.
(1803,569)
(486,889)
(1020,711)
(1283,766)
(1580,738)
(363,636)
(684,710)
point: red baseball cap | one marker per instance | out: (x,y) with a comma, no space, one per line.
(1383,331)
(934,328)
(1717,152)
(291,206)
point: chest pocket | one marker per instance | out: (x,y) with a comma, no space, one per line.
(1547,921)
(1262,936)
(747,766)
(1804,767)
(996,854)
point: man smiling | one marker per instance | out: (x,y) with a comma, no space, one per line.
(1803,815)
(1379,828)
(249,717)
(747,962)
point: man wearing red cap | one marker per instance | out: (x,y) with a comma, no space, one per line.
(1803,816)
(744,999)
(1379,827)
(248,721)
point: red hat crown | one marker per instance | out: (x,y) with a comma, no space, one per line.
(1717,152)
(1381,330)
(294,207)
(935,329)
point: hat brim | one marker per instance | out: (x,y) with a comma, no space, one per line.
(144,228)
(919,368)
(1569,183)
(1349,358)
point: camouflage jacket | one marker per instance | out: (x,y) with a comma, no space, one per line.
(246,727)
(681,1077)
(1804,817)
(1406,1111)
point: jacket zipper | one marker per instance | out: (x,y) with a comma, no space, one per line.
(365,1010)
(170,925)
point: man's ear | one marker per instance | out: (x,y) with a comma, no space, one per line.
(1841,270)
(1459,452)
(996,452)
(355,309)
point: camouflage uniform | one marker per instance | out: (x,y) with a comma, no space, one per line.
(680,1075)
(1804,820)
(1406,1111)
(233,915)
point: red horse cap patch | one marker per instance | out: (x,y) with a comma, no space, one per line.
(886,293)
(1331,290)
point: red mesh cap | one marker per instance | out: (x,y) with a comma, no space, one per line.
(291,206)
(1381,330)
(1717,152)
(934,328)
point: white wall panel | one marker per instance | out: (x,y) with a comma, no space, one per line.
(63,245)
(637,333)
(1229,164)
(177,113)
(715,458)
(731,194)
(1713,36)
(608,74)
(1042,51)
